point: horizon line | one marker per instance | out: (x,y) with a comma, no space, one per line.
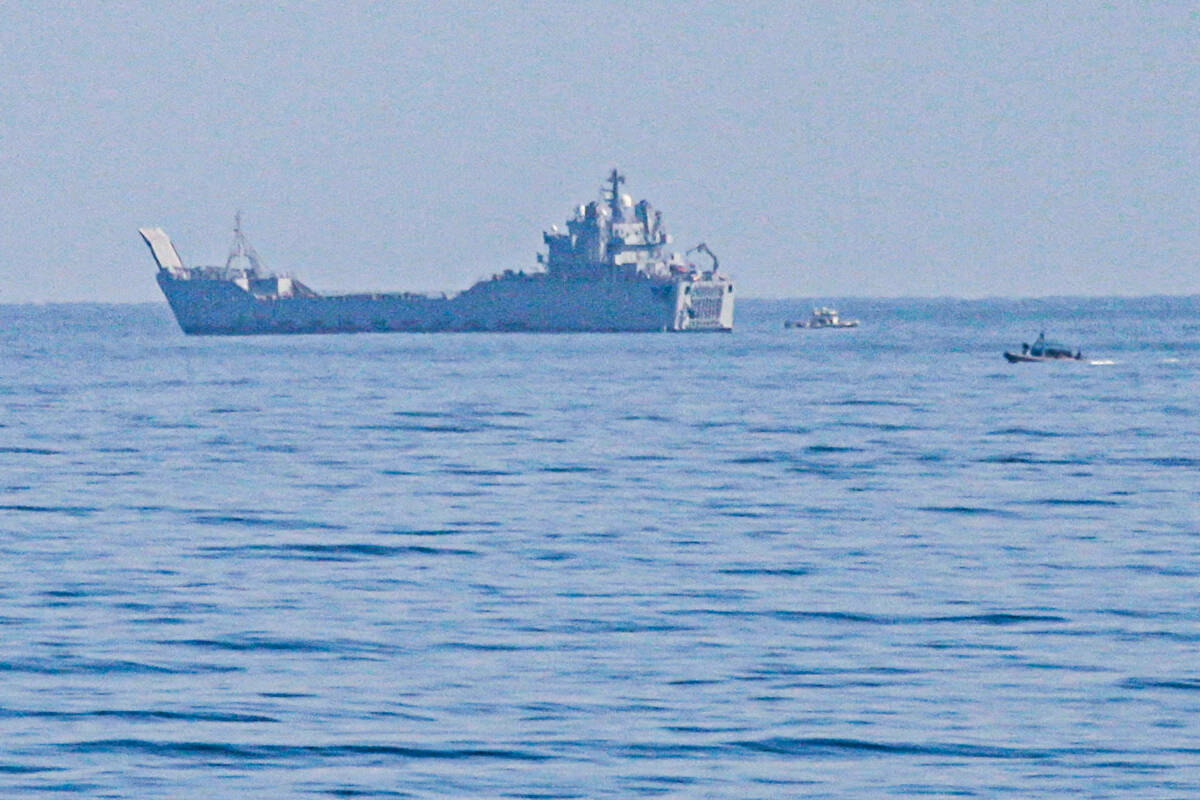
(750,298)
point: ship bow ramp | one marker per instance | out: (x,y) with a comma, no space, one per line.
(165,254)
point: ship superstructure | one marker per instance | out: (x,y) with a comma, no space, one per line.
(607,272)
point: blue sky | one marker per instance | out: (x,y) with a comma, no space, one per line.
(821,149)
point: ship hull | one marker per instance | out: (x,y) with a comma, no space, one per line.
(1025,358)
(531,303)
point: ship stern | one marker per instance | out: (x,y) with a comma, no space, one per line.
(703,305)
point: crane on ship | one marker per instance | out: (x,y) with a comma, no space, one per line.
(703,248)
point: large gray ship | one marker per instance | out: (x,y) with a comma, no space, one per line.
(607,272)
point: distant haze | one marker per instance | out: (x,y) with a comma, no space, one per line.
(820,149)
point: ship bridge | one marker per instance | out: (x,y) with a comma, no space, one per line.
(610,237)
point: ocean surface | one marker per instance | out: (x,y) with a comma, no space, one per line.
(779,563)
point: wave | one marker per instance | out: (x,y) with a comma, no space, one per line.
(769,571)
(1187,462)
(277,753)
(71,511)
(818,746)
(987,618)
(797,430)
(85,666)
(27,769)
(1179,684)
(259,521)
(881,403)
(137,715)
(969,511)
(1069,501)
(254,643)
(334,552)
(1030,458)
(1035,433)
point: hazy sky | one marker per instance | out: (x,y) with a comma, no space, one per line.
(820,149)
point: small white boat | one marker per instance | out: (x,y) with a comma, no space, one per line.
(822,317)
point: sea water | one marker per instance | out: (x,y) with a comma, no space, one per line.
(831,563)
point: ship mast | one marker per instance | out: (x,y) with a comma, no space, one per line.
(615,179)
(241,250)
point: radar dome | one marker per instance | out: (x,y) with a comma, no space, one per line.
(627,201)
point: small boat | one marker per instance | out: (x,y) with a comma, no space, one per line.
(822,317)
(1043,350)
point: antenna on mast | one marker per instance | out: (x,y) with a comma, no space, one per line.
(615,179)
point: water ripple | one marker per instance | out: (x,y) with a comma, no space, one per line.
(233,753)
